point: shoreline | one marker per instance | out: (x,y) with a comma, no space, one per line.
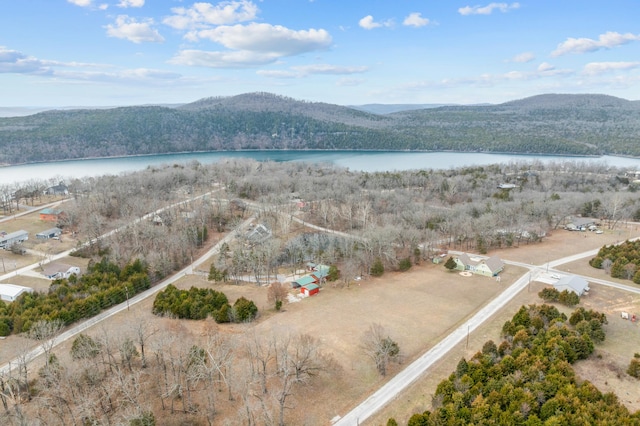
(537,154)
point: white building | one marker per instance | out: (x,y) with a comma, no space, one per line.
(10,292)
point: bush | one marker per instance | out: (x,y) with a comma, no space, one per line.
(405,264)
(5,330)
(245,310)
(549,294)
(377,269)
(634,368)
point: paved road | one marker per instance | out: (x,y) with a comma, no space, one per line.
(26,212)
(416,369)
(79,328)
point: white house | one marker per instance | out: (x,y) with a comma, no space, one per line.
(55,271)
(10,292)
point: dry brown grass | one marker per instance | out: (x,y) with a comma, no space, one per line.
(417,308)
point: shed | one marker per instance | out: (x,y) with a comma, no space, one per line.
(572,283)
(49,233)
(302,281)
(11,238)
(50,215)
(310,289)
(10,292)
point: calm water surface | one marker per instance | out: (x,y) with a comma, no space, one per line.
(369,161)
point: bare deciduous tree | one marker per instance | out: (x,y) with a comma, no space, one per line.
(378,346)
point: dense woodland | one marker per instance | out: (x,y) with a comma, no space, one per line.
(375,218)
(548,124)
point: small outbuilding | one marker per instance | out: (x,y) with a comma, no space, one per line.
(11,292)
(572,283)
(49,233)
(50,215)
(310,289)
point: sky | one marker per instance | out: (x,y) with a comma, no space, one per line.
(60,53)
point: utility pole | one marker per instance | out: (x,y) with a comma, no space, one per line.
(126,289)
(467,336)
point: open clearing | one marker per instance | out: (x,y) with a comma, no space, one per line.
(417,309)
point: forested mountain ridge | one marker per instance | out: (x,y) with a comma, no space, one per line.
(549,124)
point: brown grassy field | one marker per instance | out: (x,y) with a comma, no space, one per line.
(417,309)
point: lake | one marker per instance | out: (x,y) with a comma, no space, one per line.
(368,161)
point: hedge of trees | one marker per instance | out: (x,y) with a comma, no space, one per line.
(200,303)
(528,378)
(69,300)
(621,261)
(566,297)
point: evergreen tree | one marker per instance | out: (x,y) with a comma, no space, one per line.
(450,264)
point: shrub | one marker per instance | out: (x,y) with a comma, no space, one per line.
(377,269)
(405,264)
(634,367)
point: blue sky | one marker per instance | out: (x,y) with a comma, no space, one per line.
(129,52)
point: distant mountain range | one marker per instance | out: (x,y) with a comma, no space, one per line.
(545,124)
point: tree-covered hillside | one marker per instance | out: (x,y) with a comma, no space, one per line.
(551,124)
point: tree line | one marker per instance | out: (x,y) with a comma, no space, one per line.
(197,303)
(103,285)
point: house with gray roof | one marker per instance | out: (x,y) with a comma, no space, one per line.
(489,267)
(572,283)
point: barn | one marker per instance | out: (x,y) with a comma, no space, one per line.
(310,289)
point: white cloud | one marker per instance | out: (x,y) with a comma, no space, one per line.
(232,59)
(278,74)
(14,62)
(368,23)
(349,82)
(488,9)
(607,40)
(523,57)
(546,67)
(137,32)
(415,19)
(314,69)
(596,68)
(81,3)
(328,69)
(269,39)
(202,15)
(131,3)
